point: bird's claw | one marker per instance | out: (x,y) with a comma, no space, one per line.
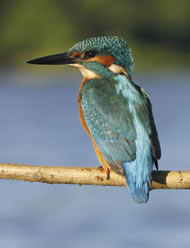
(107,170)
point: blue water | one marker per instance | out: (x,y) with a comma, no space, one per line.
(39,124)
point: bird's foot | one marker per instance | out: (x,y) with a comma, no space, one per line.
(107,170)
(107,173)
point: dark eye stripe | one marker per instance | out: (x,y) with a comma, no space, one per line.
(90,54)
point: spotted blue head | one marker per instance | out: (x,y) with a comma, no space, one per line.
(95,55)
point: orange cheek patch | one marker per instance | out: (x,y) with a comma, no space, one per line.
(76,54)
(106,60)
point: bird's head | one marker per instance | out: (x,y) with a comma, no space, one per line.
(95,57)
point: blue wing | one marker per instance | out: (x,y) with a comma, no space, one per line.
(110,120)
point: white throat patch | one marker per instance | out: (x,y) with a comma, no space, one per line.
(88,74)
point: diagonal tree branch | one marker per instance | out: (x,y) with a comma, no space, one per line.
(88,176)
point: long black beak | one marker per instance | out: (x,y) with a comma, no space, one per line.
(56,59)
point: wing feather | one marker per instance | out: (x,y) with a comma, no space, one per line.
(111,124)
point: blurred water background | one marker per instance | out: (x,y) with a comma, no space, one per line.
(39,123)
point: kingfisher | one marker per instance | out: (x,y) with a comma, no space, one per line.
(114,111)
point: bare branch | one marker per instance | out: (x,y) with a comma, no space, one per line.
(88,176)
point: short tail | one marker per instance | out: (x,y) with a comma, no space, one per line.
(138,181)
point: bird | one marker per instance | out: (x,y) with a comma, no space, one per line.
(114,111)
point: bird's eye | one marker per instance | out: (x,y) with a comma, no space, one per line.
(90,54)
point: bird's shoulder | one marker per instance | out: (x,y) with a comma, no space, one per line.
(102,101)
(111,89)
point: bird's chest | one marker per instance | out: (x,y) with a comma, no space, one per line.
(82,116)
